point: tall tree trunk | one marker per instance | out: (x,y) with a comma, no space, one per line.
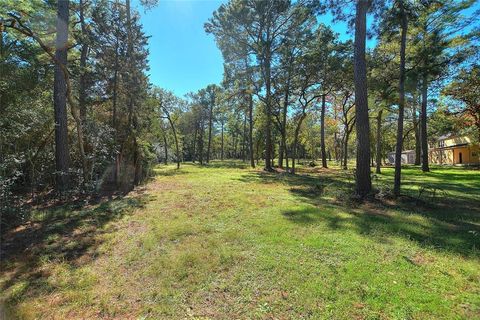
(268,110)
(60,98)
(82,94)
(128,58)
(294,155)
(210,124)
(335,146)
(286,154)
(363,178)
(222,151)
(244,138)
(234,144)
(280,151)
(2,103)
(132,121)
(416,129)
(379,142)
(195,143)
(176,140)
(273,154)
(322,133)
(250,130)
(345,149)
(283,132)
(200,142)
(165,148)
(82,89)
(423,124)
(258,152)
(295,141)
(116,171)
(401,103)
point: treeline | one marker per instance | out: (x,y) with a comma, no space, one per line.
(87,59)
(292,90)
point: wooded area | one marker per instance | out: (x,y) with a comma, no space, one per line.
(81,120)
(292,89)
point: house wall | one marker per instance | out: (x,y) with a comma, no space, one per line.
(470,155)
(456,140)
(408,157)
(441,156)
(465,152)
(446,151)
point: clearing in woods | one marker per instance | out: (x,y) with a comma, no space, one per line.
(227,242)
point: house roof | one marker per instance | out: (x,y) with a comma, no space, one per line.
(403,152)
(450,147)
(446,136)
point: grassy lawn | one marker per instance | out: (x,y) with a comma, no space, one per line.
(228,242)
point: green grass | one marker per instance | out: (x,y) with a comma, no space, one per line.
(227,242)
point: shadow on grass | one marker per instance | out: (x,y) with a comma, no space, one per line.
(162,170)
(227,164)
(167,172)
(450,224)
(454,183)
(460,238)
(65,233)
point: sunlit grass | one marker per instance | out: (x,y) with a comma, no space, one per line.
(227,242)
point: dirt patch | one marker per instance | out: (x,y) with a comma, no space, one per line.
(419,259)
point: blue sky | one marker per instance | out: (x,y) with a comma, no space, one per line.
(183,57)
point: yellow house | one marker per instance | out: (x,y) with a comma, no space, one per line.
(455,151)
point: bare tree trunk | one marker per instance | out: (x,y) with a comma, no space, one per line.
(273,154)
(286,154)
(379,142)
(132,121)
(283,132)
(250,129)
(244,138)
(295,141)
(195,143)
(210,124)
(258,152)
(282,148)
(423,124)
(82,90)
(363,178)
(222,151)
(416,129)
(294,155)
(165,148)
(60,98)
(268,111)
(80,139)
(200,142)
(176,140)
(335,146)
(234,144)
(128,56)
(322,133)
(116,171)
(345,150)
(401,104)
(280,151)
(83,63)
